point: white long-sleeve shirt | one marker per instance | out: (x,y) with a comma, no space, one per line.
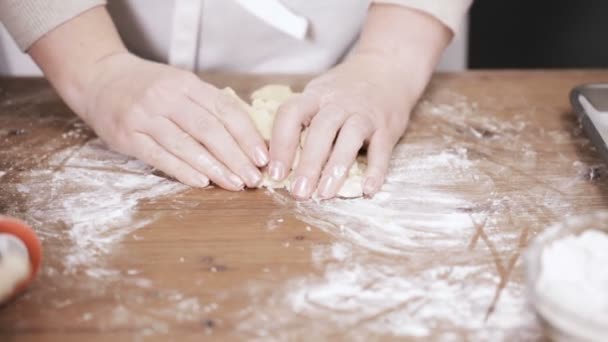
(259,36)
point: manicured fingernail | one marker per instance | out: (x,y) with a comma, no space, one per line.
(301,187)
(370,186)
(253,175)
(261,156)
(234,179)
(276,170)
(326,186)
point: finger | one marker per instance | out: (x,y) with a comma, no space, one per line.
(290,118)
(236,120)
(321,135)
(379,154)
(241,126)
(206,128)
(150,152)
(356,130)
(183,146)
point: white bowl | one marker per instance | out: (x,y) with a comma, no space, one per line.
(562,323)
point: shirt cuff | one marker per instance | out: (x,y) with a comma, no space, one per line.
(29,20)
(450,12)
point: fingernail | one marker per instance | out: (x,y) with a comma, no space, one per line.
(276,170)
(203,182)
(370,186)
(236,180)
(300,187)
(253,176)
(326,186)
(261,156)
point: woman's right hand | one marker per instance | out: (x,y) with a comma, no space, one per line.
(162,115)
(174,121)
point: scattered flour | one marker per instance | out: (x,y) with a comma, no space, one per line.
(265,103)
(85,201)
(407,263)
(412,262)
(93,193)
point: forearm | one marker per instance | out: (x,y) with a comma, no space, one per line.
(405,40)
(68,54)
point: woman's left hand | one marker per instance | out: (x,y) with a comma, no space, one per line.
(365,101)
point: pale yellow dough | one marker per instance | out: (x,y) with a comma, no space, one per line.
(264,105)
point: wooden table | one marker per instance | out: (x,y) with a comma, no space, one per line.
(489,160)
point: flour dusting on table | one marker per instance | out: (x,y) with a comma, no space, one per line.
(85,201)
(433,252)
(93,192)
(435,255)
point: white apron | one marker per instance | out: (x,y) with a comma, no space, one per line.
(265,36)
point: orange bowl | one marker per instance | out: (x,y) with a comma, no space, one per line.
(23,232)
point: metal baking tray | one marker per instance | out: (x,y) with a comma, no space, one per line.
(590,103)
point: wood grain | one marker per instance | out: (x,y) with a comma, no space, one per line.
(232,253)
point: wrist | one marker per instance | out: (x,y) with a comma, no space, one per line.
(97,77)
(68,55)
(408,73)
(413,62)
(79,85)
(404,41)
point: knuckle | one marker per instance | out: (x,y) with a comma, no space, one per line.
(329,119)
(153,91)
(357,127)
(240,132)
(382,129)
(130,119)
(206,124)
(181,142)
(227,109)
(214,170)
(337,170)
(287,147)
(187,78)
(294,106)
(356,124)
(187,81)
(241,164)
(160,92)
(287,108)
(118,143)
(382,142)
(308,171)
(152,156)
(124,140)
(122,133)
(310,166)
(205,162)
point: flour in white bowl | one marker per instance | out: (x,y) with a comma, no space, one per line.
(574,275)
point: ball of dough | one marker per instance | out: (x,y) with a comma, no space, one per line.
(265,103)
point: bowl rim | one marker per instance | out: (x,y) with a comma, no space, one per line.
(553,312)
